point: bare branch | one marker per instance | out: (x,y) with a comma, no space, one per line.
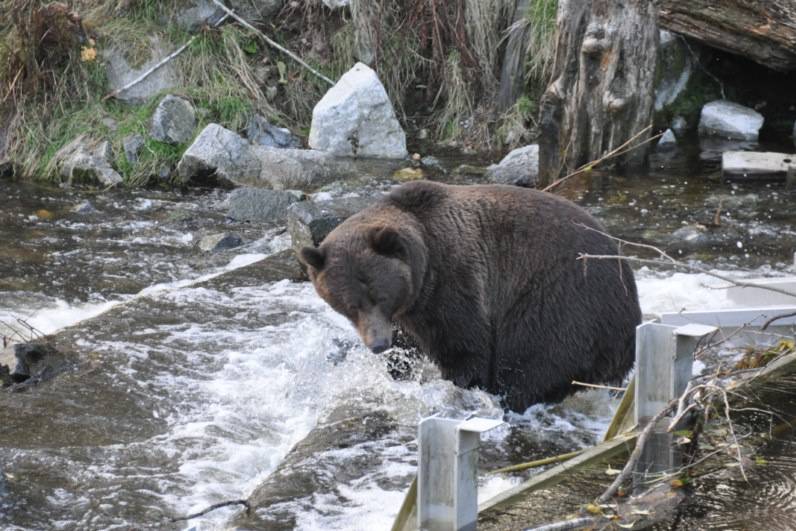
(666,260)
(270,41)
(776,318)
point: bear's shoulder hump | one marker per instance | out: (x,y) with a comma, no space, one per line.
(418,195)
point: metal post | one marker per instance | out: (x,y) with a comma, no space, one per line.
(664,363)
(447,489)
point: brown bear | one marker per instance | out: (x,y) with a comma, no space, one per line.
(486,280)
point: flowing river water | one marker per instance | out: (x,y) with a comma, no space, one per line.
(192,375)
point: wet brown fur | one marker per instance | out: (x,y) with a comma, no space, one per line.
(485,278)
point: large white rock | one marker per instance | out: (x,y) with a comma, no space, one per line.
(520,167)
(730,120)
(355,118)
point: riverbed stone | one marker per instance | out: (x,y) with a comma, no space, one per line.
(220,242)
(84,207)
(679,125)
(218,153)
(262,133)
(730,120)
(173,121)
(520,167)
(309,222)
(355,118)
(261,204)
(120,73)
(86,161)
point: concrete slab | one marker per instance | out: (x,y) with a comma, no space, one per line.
(757,165)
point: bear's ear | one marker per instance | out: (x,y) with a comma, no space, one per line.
(386,241)
(312,257)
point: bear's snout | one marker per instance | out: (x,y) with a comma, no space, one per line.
(375,331)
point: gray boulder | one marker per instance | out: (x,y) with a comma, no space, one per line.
(86,161)
(355,118)
(218,153)
(262,133)
(679,125)
(261,204)
(730,120)
(309,222)
(299,169)
(520,167)
(132,145)
(220,242)
(120,73)
(173,121)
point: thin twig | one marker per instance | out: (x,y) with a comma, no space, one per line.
(159,64)
(669,261)
(777,318)
(616,152)
(213,508)
(635,455)
(271,42)
(537,463)
(575,523)
(598,386)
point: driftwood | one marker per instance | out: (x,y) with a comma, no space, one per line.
(603,84)
(762,30)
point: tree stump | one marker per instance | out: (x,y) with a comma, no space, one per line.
(602,91)
(762,30)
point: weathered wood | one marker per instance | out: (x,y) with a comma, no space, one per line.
(602,89)
(602,452)
(762,30)
(753,165)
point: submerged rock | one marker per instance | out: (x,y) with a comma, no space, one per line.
(37,361)
(173,121)
(730,120)
(309,222)
(220,242)
(84,208)
(218,153)
(120,73)
(262,133)
(261,204)
(319,463)
(520,167)
(355,118)
(86,161)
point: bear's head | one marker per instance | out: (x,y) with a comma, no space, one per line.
(370,272)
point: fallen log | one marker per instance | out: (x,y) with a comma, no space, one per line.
(762,30)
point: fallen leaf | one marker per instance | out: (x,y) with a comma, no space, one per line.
(593,509)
